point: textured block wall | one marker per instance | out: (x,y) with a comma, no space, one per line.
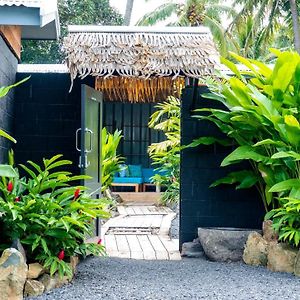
(49,116)
(8,69)
(202,206)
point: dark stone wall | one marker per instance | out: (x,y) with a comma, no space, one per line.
(202,206)
(47,117)
(8,70)
(132,119)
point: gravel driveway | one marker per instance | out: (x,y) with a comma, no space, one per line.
(109,278)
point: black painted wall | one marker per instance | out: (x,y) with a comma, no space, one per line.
(133,120)
(47,117)
(8,70)
(202,206)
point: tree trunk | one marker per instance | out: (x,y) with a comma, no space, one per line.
(128,12)
(296,26)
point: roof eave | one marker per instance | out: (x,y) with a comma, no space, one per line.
(136,29)
(35,22)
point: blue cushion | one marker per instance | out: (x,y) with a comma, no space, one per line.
(147,174)
(135,171)
(124,172)
(128,180)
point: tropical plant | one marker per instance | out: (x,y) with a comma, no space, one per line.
(268,16)
(193,13)
(51,218)
(259,113)
(166,154)
(3,92)
(110,160)
(286,220)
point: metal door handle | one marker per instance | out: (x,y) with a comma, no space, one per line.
(87,130)
(77,139)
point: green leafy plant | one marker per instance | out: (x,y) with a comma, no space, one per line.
(7,170)
(166,154)
(259,114)
(110,160)
(3,92)
(50,217)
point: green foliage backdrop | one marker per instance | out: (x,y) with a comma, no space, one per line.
(71,12)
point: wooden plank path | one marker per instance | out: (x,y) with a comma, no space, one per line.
(141,232)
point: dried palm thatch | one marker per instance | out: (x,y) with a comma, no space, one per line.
(139,90)
(139,51)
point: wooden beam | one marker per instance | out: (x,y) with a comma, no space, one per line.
(12,36)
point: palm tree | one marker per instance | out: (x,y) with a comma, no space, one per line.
(192,13)
(268,15)
(128,12)
(296,27)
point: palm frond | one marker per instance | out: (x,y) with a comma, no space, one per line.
(161,13)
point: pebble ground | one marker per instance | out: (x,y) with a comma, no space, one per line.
(110,278)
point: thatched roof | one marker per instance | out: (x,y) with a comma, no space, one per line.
(139,90)
(139,51)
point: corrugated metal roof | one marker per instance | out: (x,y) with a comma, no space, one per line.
(27,3)
(48,13)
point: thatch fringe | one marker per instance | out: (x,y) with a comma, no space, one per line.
(136,90)
(139,54)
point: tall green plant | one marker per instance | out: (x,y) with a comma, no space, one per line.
(259,113)
(110,160)
(166,154)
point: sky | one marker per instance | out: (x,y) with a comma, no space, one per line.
(140,7)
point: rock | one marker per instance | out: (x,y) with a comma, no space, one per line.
(223,244)
(297,265)
(256,250)
(269,234)
(281,257)
(35,270)
(18,246)
(33,288)
(192,249)
(53,282)
(74,260)
(13,274)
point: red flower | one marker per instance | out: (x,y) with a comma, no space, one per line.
(17,199)
(61,255)
(10,187)
(76,194)
(99,242)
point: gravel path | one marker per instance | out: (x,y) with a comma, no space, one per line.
(110,278)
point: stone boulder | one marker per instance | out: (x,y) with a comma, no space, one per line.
(35,270)
(13,274)
(53,282)
(281,257)
(74,261)
(297,265)
(269,234)
(18,246)
(192,250)
(256,250)
(33,288)
(223,244)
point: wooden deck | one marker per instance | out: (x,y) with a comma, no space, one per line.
(141,232)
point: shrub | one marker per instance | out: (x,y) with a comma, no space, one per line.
(110,161)
(166,154)
(260,115)
(51,218)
